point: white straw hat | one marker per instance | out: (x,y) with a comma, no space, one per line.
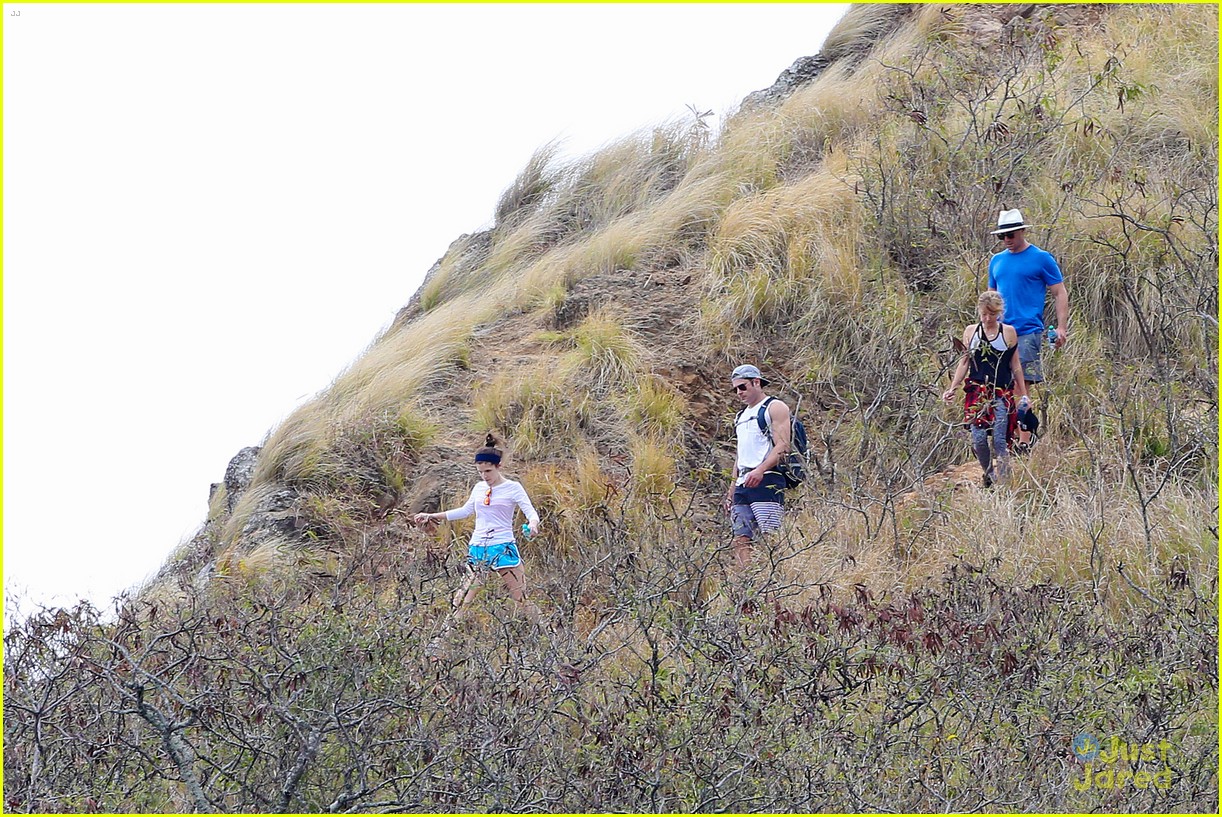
(1010,220)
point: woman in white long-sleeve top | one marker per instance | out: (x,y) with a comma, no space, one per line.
(493,545)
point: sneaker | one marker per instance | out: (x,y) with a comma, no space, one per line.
(987,482)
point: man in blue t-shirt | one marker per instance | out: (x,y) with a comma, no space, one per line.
(1024,275)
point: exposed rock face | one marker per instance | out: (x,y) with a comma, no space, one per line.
(572,312)
(239,473)
(468,250)
(795,76)
(274,517)
(852,38)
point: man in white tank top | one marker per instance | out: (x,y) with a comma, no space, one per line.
(756,496)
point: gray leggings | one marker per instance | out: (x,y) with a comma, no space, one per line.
(1000,455)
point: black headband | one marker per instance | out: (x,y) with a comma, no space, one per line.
(488,456)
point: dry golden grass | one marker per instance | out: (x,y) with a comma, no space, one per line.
(396,368)
(538,418)
(565,494)
(657,410)
(1053,522)
(403,362)
(773,218)
(417,425)
(455,273)
(614,247)
(778,254)
(763,148)
(532,186)
(219,504)
(493,405)
(606,354)
(653,468)
(859,28)
(254,496)
(692,206)
(615,204)
(275,564)
(1172,51)
(435,290)
(627,175)
(515,248)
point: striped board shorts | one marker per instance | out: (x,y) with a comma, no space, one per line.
(756,518)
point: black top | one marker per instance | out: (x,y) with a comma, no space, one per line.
(987,363)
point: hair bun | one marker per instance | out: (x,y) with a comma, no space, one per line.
(490,452)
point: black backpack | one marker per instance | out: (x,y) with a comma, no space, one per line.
(794,464)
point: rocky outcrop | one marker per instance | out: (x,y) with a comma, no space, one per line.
(852,38)
(239,473)
(467,251)
(795,76)
(275,516)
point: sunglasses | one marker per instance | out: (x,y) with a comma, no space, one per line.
(1004,236)
(488,496)
(742,387)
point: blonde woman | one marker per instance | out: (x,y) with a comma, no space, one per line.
(991,374)
(493,546)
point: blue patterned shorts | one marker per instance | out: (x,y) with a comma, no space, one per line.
(495,557)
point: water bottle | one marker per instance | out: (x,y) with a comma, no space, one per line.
(1052,336)
(525,530)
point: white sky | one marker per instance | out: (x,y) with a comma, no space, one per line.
(210,210)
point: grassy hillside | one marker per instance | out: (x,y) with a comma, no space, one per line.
(911,642)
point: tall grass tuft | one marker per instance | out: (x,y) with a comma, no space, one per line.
(653,468)
(657,410)
(566,495)
(540,418)
(532,186)
(778,255)
(605,353)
